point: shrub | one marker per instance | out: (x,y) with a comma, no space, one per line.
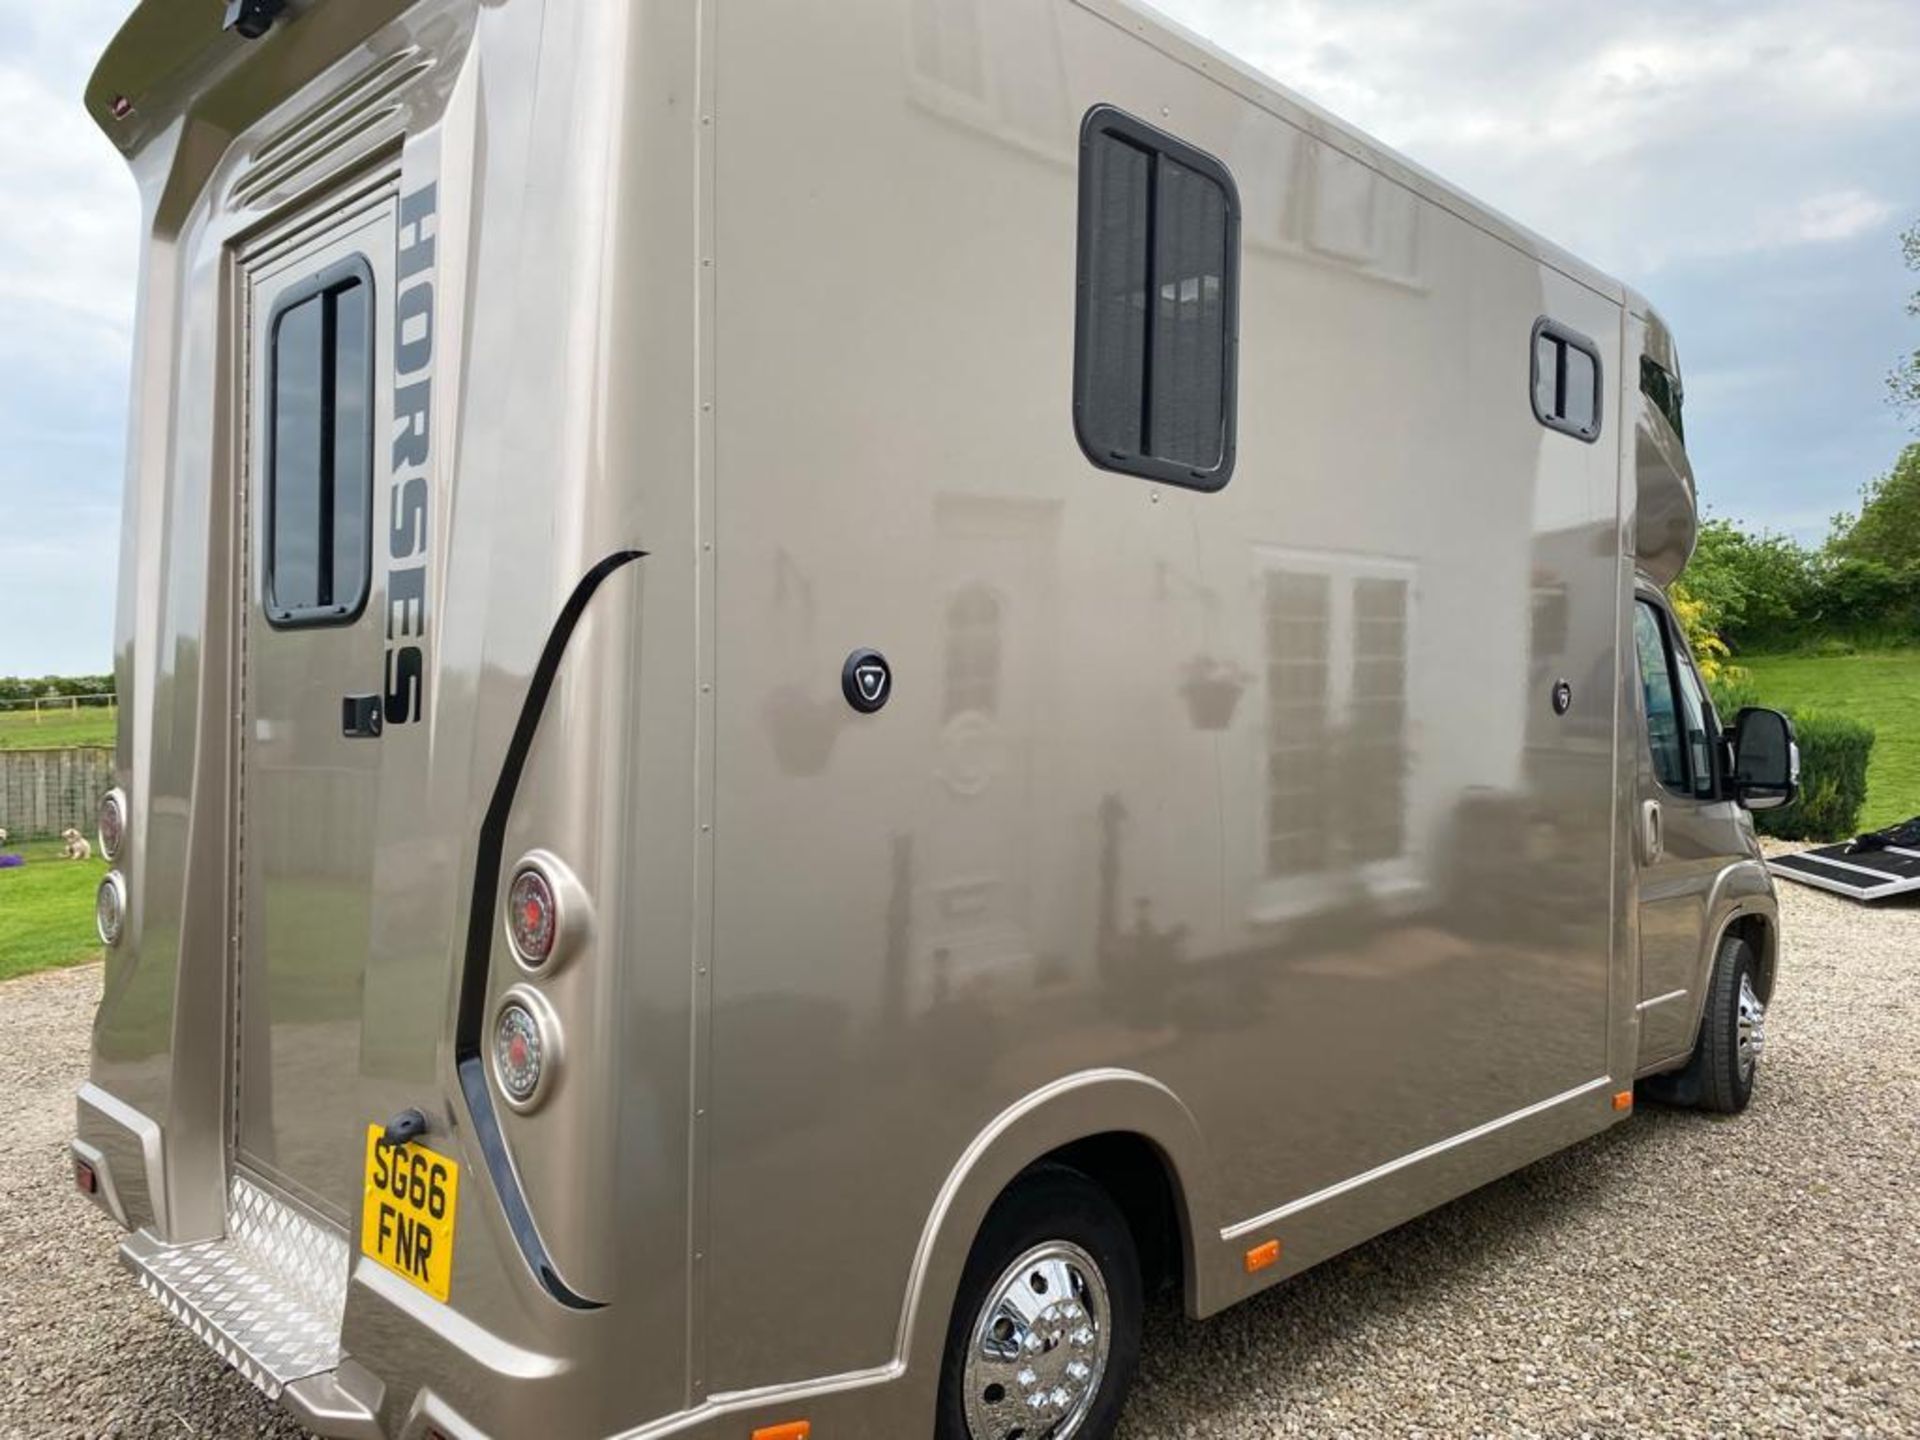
(1833,779)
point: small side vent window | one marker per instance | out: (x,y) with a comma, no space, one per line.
(1156,333)
(319,443)
(1663,389)
(1566,381)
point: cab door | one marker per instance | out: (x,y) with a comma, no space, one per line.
(312,651)
(1681,825)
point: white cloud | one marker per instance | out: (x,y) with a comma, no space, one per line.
(1638,133)
(70,242)
(1838,216)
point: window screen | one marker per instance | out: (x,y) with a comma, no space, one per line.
(1566,381)
(320,449)
(1156,334)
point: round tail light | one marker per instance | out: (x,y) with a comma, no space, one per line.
(526,1048)
(113,824)
(110,908)
(546,912)
(533,918)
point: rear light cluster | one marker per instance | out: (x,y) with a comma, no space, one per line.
(525,1041)
(110,900)
(110,908)
(113,824)
(546,920)
(532,918)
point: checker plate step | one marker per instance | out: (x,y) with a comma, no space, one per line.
(268,1298)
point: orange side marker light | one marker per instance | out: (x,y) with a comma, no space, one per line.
(1262,1257)
(1623,1100)
(792,1430)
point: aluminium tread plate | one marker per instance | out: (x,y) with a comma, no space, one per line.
(267,1297)
(1859,874)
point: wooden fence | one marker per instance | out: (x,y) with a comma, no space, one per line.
(43,792)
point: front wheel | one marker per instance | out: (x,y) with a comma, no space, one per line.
(1733,1032)
(1046,1328)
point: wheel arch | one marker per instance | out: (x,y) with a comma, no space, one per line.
(1118,1126)
(1762,933)
(1742,903)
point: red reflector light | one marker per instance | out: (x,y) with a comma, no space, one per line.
(84,1180)
(532,921)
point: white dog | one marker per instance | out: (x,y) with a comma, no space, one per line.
(77,846)
(3,834)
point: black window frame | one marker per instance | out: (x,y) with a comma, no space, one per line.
(1565,338)
(1673,641)
(1109,121)
(355,268)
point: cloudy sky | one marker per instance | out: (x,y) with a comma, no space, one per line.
(1746,163)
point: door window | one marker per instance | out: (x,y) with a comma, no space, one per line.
(319,490)
(1696,714)
(1680,721)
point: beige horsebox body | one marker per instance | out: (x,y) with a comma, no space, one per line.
(747,629)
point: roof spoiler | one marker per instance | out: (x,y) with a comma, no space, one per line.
(230,59)
(1667,502)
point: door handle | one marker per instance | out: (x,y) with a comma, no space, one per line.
(1652,840)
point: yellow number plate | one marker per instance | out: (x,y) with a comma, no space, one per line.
(406,1221)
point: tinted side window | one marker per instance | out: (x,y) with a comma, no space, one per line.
(1155,338)
(1656,689)
(1566,381)
(319,492)
(1665,391)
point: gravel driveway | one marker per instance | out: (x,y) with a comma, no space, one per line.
(1676,1276)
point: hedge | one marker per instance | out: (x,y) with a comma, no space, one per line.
(1833,767)
(1833,780)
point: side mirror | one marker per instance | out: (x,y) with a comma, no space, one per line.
(1766,760)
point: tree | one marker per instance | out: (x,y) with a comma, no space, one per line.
(1903,384)
(1754,591)
(1887,529)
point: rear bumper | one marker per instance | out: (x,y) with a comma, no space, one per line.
(267,1297)
(123,1147)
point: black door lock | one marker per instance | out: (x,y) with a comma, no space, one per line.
(360,717)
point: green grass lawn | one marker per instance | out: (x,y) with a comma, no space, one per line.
(1880,688)
(57,729)
(46,910)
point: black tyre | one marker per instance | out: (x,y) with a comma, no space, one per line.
(1045,1333)
(1733,1033)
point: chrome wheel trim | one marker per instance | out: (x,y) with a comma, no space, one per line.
(1039,1347)
(1752,1038)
